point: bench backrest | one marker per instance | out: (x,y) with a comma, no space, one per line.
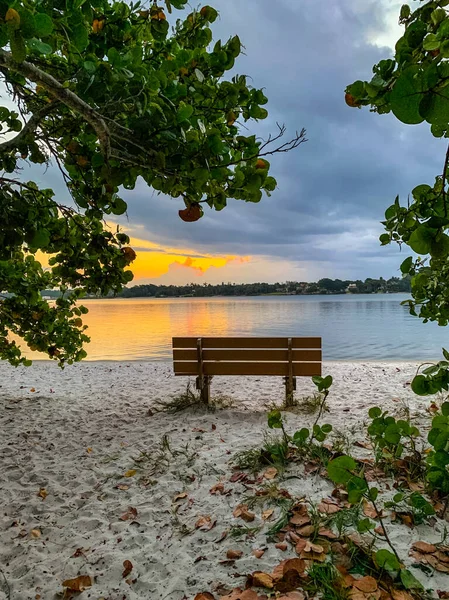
(300,356)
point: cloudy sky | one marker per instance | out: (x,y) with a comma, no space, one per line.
(323,220)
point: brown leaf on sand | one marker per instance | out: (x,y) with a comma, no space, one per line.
(424,547)
(218,488)
(241,511)
(234,554)
(78,584)
(300,545)
(261,579)
(328,509)
(239,594)
(327,533)
(130,515)
(130,473)
(258,553)
(367,584)
(400,595)
(205,523)
(369,510)
(292,564)
(36,533)
(204,596)
(127,568)
(267,514)
(300,516)
(122,486)
(281,546)
(42,493)
(180,496)
(306,530)
(379,530)
(270,473)
(313,552)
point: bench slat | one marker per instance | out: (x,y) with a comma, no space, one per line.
(256,354)
(307,369)
(242,342)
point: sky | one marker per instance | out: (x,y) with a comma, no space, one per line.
(324,218)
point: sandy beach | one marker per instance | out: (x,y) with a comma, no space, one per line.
(124,482)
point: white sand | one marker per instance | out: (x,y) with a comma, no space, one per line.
(81,430)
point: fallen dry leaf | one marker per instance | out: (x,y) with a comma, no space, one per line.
(205,523)
(32,389)
(328,509)
(306,530)
(379,530)
(270,473)
(267,514)
(424,547)
(309,547)
(42,493)
(180,496)
(369,510)
(241,511)
(281,546)
(367,584)
(291,564)
(127,568)
(131,514)
(400,595)
(234,554)
(261,579)
(259,553)
(204,596)
(78,584)
(292,596)
(327,533)
(36,533)
(218,488)
(239,594)
(89,450)
(130,473)
(122,486)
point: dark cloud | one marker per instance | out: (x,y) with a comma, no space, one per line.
(333,190)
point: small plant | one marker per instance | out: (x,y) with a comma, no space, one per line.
(326,579)
(391,440)
(438,459)
(242,531)
(413,504)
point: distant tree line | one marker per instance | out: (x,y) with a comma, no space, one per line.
(323,286)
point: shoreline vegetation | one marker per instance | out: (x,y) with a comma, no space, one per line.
(394,285)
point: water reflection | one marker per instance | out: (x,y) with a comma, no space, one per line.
(352,327)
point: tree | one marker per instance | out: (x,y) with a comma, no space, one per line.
(106,93)
(414,87)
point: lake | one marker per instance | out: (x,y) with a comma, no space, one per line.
(353,327)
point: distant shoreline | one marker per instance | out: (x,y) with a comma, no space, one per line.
(271,295)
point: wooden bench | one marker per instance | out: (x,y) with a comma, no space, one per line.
(209,356)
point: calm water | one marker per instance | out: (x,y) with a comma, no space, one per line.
(364,327)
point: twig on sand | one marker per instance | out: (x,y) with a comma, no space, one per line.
(6,586)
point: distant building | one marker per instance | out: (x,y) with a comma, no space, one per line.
(352,287)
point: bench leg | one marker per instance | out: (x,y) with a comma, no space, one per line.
(290,387)
(203,384)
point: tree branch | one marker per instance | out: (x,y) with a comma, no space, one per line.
(31,125)
(66,96)
(446,163)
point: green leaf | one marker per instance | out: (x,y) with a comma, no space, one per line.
(406,96)
(275,419)
(385,239)
(80,37)
(373,493)
(431,42)
(326,428)
(40,239)
(422,239)
(387,560)
(420,385)
(409,581)
(185,111)
(17,44)
(38,46)
(365,525)
(43,24)
(406,265)
(341,469)
(445,409)
(374,412)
